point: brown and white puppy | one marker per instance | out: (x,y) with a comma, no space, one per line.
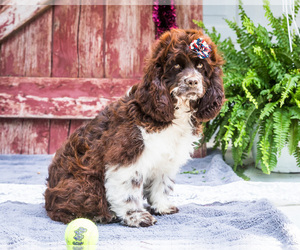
(133,149)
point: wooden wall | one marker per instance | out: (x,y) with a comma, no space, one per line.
(88,54)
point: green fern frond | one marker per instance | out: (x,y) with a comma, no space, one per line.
(289,81)
(267,147)
(276,24)
(253,135)
(228,135)
(294,113)
(297,7)
(242,127)
(237,155)
(297,93)
(282,123)
(244,39)
(264,145)
(201,25)
(294,136)
(251,78)
(288,59)
(296,96)
(268,109)
(231,79)
(248,24)
(264,38)
(249,95)
(258,159)
(297,156)
(273,154)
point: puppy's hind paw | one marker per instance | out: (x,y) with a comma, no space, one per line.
(169,210)
(139,218)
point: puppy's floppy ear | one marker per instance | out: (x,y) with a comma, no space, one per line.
(152,94)
(209,106)
(154,98)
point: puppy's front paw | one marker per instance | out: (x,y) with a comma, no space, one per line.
(109,219)
(139,218)
(162,211)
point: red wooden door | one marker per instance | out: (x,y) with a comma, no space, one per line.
(60,65)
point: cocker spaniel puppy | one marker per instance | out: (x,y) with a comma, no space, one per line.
(133,149)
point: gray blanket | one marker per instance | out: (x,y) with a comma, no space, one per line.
(232,225)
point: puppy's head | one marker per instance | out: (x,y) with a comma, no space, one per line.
(177,73)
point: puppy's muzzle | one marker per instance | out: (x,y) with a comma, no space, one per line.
(193,86)
(192,82)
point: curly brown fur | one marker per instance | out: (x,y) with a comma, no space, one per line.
(117,140)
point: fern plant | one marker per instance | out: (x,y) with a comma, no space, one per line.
(262,88)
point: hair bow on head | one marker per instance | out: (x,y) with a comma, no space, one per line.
(201,48)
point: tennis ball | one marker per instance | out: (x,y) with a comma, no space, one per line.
(81,232)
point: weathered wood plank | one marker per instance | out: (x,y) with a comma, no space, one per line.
(38,46)
(63,98)
(91,40)
(65,34)
(59,130)
(14,16)
(185,13)
(129,34)
(35,136)
(11,136)
(12,55)
(28,52)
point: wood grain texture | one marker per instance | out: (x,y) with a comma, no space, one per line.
(191,9)
(58,97)
(129,34)
(91,41)
(65,36)
(11,131)
(12,17)
(38,46)
(35,136)
(59,130)
(12,55)
(28,52)
(87,41)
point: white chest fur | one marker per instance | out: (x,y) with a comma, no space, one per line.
(169,149)
(153,174)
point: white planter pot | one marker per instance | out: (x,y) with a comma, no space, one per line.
(286,163)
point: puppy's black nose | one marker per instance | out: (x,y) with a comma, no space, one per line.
(191,82)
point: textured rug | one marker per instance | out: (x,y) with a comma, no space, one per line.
(218,210)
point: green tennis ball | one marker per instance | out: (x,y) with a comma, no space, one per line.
(81,232)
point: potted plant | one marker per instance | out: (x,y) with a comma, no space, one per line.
(262,88)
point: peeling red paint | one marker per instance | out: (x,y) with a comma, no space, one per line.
(88,41)
(58,133)
(35,136)
(11,136)
(15,16)
(91,41)
(58,97)
(65,34)
(185,14)
(126,43)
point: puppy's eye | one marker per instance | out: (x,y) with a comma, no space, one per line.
(177,66)
(200,66)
